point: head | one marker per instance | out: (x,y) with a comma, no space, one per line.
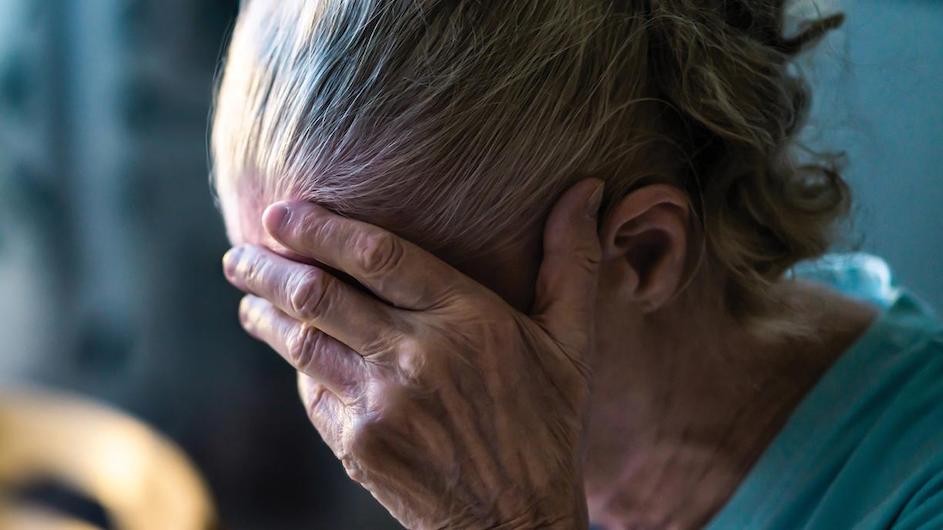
(458,124)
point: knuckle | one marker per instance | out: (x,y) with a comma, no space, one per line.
(364,437)
(586,257)
(592,256)
(308,294)
(379,253)
(312,395)
(367,437)
(254,268)
(353,469)
(411,361)
(304,347)
(317,400)
(586,263)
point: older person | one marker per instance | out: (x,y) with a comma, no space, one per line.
(530,260)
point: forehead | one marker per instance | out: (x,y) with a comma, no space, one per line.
(511,273)
(242,215)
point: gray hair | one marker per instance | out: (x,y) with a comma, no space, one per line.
(458,120)
(457,123)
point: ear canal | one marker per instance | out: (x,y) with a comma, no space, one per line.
(644,250)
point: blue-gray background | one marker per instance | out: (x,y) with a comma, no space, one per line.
(879,96)
(110,244)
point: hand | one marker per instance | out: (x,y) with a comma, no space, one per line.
(452,408)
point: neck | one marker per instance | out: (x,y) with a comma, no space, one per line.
(684,402)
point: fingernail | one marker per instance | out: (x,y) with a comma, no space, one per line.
(595,201)
(275,217)
(231,261)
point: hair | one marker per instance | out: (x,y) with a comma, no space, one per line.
(458,123)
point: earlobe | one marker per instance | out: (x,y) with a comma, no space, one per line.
(645,235)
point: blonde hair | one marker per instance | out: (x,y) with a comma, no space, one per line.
(458,123)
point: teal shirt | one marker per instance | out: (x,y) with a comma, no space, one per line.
(864,448)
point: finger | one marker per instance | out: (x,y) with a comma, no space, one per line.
(325,411)
(308,349)
(392,268)
(565,295)
(309,294)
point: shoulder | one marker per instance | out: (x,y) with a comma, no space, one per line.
(883,400)
(857,275)
(864,449)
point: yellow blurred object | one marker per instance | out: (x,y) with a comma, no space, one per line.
(31,518)
(142,480)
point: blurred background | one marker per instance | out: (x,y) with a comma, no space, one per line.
(110,244)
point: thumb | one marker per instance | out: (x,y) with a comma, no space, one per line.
(565,295)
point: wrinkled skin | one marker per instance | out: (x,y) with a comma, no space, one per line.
(452,408)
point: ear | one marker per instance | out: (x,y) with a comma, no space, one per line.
(645,236)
